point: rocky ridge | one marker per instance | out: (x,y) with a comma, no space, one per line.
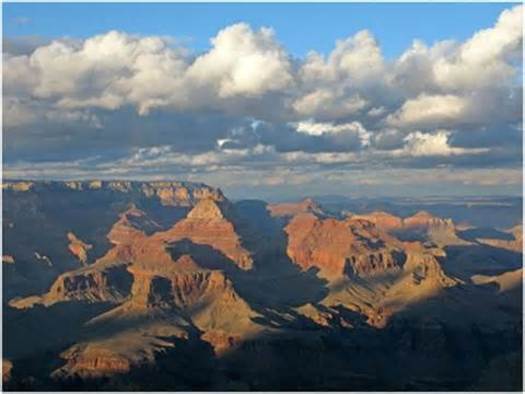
(170,193)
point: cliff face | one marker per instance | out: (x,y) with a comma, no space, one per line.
(337,247)
(206,224)
(420,226)
(90,362)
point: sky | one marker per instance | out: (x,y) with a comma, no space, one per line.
(196,23)
(268,100)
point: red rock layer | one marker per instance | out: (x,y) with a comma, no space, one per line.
(335,246)
(182,285)
(207,224)
(78,248)
(7,366)
(93,363)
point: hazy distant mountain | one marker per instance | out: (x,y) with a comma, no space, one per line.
(498,211)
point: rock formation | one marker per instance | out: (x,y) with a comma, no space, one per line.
(208,224)
(515,245)
(78,248)
(422,226)
(7,366)
(335,247)
(7,259)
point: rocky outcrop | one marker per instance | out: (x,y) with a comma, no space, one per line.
(132,224)
(210,223)
(505,282)
(422,226)
(8,259)
(92,363)
(20,186)
(421,219)
(515,245)
(180,194)
(337,247)
(78,248)
(379,298)
(92,284)
(312,312)
(382,220)
(182,284)
(7,367)
(120,346)
(221,341)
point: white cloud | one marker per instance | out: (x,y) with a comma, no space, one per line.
(391,109)
(334,87)
(162,156)
(429,110)
(329,103)
(243,62)
(357,58)
(376,111)
(312,128)
(114,69)
(484,58)
(435,144)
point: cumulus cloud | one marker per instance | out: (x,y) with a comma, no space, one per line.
(312,128)
(435,144)
(243,62)
(329,103)
(484,57)
(426,110)
(146,102)
(357,59)
(115,69)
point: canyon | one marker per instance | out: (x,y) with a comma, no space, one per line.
(121,285)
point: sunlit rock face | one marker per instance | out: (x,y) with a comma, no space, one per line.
(334,246)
